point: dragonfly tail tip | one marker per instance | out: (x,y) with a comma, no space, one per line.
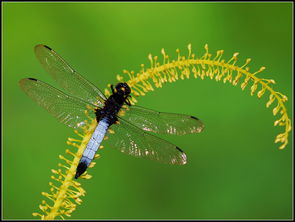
(81,168)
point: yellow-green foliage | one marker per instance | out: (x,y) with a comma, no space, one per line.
(65,192)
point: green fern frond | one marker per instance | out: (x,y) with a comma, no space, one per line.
(216,68)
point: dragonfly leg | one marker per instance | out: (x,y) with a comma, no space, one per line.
(127,101)
(112,88)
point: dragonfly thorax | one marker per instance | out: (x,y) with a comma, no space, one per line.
(123,89)
(114,103)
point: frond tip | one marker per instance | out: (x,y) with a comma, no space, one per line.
(216,68)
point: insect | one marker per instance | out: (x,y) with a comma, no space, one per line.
(132,124)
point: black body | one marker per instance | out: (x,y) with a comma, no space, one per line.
(109,112)
(114,103)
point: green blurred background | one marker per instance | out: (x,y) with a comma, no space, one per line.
(234,170)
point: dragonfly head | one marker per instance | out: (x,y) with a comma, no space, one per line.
(122,88)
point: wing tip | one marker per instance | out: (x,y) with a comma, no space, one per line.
(47,47)
(39,46)
(24,81)
(201,126)
(179,149)
(32,79)
(183,156)
(193,117)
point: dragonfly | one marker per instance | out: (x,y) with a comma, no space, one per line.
(134,126)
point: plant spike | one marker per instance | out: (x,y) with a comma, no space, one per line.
(217,68)
(65,192)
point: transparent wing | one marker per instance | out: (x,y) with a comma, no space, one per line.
(68,78)
(133,141)
(67,109)
(162,123)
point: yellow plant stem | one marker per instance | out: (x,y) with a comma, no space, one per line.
(70,190)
